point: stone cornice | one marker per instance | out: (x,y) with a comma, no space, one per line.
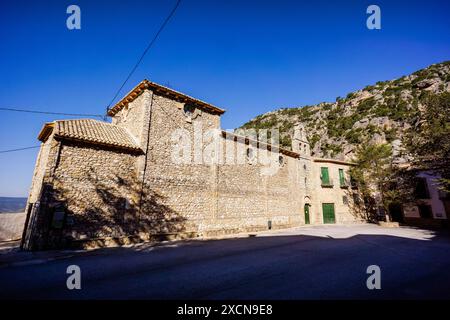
(159,89)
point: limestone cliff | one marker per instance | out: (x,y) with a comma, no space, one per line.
(381,112)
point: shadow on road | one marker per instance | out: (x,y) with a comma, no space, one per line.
(414,265)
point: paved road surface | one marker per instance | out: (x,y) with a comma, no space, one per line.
(322,262)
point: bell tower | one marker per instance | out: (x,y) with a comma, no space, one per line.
(300,143)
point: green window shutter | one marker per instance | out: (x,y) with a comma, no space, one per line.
(341,177)
(325,176)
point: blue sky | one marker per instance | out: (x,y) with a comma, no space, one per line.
(248,57)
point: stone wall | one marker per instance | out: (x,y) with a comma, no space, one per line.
(41,167)
(133,116)
(37,221)
(250,199)
(186,189)
(216,198)
(11,226)
(98,190)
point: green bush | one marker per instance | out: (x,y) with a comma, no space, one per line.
(350,95)
(354,136)
(390,134)
(365,105)
(313,140)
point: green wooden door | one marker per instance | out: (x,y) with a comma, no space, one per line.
(328,213)
(325,176)
(306,214)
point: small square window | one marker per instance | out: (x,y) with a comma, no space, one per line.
(344,200)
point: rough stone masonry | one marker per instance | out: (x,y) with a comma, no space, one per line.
(99,184)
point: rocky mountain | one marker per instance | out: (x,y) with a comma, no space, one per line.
(380,113)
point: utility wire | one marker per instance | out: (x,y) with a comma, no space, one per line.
(43,112)
(20,149)
(145,51)
(161,28)
(50,112)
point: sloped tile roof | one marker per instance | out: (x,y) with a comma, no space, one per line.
(90,130)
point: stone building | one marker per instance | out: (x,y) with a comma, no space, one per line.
(97,183)
(431,204)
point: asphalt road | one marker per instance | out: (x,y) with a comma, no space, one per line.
(323,262)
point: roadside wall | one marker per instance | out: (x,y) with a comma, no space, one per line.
(11,226)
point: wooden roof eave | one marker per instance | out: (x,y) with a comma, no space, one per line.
(260,144)
(46,131)
(335,161)
(146,84)
(99,143)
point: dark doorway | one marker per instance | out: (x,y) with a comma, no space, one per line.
(425,211)
(307,221)
(328,213)
(421,191)
(395,210)
(447,208)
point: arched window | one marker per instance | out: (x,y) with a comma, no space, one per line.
(281,161)
(249,154)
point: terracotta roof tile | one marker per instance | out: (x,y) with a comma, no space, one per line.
(92,131)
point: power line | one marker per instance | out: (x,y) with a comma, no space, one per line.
(19,149)
(44,112)
(161,28)
(145,51)
(50,112)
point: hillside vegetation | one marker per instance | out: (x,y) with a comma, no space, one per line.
(380,113)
